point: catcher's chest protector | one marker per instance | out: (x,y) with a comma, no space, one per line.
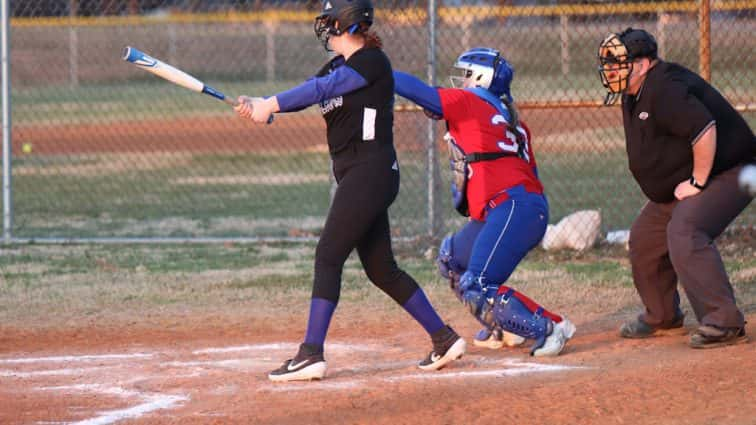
(460,170)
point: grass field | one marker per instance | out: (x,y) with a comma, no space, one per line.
(227,195)
(68,283)
(217,195)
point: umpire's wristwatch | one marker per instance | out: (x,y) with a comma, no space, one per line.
(696,184)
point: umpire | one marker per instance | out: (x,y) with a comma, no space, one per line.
(686,145)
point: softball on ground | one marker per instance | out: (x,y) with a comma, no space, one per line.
(747,179)
(26,148)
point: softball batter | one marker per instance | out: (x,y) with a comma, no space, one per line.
(355,92)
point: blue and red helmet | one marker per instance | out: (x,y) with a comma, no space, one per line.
(485,68)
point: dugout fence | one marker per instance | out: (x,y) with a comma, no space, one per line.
(96,150)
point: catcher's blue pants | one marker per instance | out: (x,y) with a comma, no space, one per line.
(493,248)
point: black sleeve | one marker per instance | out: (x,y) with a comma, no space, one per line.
(371,63)
(680,112)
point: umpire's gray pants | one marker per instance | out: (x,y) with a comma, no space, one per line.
(675,241)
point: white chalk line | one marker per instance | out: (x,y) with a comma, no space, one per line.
(51,372)
(257,347)
(515,368)
(77,358)
(151,402)
(211,363)
(154,401)
(291,347)
(519,369)
(313,386)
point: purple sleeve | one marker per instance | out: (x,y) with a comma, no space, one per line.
(414,89)
(341,81)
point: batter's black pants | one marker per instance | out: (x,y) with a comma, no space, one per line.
(675,242)
(368,183)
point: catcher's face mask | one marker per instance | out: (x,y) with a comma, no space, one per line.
(615,66)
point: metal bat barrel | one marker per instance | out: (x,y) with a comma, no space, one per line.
(174,75)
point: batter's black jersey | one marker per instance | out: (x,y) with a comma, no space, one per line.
(671,111)
(366,114)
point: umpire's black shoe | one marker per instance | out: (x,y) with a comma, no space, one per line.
(447,347)
(708,336)
(307,365)
(640,329)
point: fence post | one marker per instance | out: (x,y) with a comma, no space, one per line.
(5,53)
(270,50)
(73,55)
(704,45)
(172,44)
(662,20)
(466,26)
(431,141)
(564,22)
(73,45)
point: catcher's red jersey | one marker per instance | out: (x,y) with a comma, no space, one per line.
(478,127)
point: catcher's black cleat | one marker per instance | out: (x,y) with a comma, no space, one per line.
(447,347)
(307,365)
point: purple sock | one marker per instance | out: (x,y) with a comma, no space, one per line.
(321,311)
(422,310)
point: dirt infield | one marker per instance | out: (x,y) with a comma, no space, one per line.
(305,131)
(211,369)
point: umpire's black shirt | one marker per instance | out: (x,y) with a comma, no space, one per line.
(666,118)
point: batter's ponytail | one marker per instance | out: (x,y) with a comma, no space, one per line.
(372,40)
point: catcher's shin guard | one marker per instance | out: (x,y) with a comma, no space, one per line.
(448,266)
(479,298)
(511,314)
(455,287)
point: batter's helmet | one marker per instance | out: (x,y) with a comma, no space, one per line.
(616,54)
(351,15)
(485,68)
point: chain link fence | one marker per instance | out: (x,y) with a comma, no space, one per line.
(102,150)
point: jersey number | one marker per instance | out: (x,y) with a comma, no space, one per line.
(510,142)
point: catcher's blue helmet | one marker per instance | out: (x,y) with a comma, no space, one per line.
(485,68)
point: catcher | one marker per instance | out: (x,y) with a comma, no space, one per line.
(496,184)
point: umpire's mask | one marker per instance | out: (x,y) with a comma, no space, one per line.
(616,54)
(614,68)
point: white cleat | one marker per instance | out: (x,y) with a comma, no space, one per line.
(562,332)
(496,339)
(305,369)
(512,340)
(435,361)
(447,347)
